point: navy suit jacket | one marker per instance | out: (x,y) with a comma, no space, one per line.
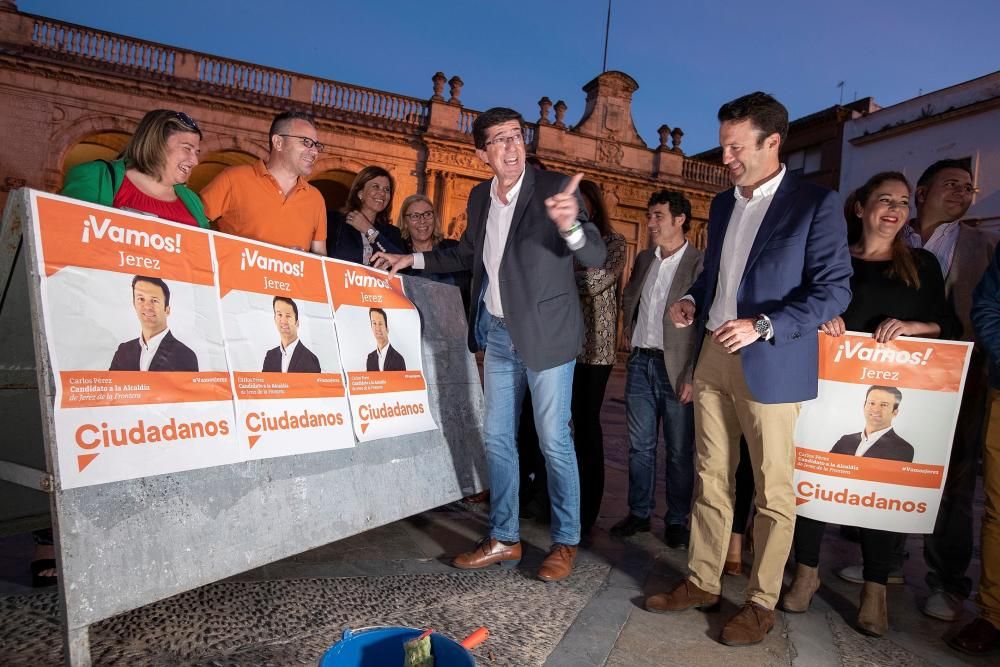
(798,274)
(393,360)
(302,361)
(889,446)
(344,242)
(172,355)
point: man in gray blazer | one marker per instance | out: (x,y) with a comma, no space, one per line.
(660,366)
(525,228)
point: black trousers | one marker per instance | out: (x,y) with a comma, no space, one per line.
(589,384)
(878,548)
(744,490)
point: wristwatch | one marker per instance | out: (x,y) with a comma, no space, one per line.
(371,235)
(762,325)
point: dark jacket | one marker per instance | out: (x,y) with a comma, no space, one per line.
(344,242)
(172,355)
(890,446)
(302,361)
(393,360)
(986,316)
(537,282)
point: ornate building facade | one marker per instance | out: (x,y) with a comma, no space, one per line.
(72,94)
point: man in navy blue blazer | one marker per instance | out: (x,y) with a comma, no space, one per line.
(776,267)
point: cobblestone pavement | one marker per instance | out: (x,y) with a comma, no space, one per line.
(289,612)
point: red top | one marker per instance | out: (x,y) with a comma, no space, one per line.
(131,197)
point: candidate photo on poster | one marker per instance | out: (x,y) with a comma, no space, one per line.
(291,355)
(396,336)
(878,439)
(923,420)
(92,314)
(156,348)
(384,357)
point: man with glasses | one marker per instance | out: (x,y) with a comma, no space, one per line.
(272,201)
(525,227)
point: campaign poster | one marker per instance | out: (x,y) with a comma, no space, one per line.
(872,449)
(135,343)
(282,347)
(378,329)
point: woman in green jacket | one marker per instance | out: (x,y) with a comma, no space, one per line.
(150,173)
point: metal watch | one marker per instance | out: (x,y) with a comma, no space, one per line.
(371,234)
(762,326)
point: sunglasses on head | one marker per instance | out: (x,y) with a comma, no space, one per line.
(185,120)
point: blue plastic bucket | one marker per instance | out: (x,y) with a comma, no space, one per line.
(383,647)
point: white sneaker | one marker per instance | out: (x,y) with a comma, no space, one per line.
(943,606)
(855,575)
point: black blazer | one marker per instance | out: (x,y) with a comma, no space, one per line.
(537,282)
(303,360)
(344,242)
(889,446)
(172,355)
(393,360)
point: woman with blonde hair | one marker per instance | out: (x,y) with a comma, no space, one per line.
(420,229)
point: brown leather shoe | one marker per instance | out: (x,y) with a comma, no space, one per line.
(976,638)
(873,615)
(749,626)
(487,552)
(798,597)
(684,596)
(558,564)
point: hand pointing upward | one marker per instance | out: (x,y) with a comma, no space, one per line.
(564,206)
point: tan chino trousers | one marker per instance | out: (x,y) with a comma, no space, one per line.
(725,409)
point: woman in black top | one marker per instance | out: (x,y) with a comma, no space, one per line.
(421,232)
(895,291)
(363,227)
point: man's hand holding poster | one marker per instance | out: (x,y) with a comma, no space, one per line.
(872,449)
(378,329)
(282,347)
(135,344)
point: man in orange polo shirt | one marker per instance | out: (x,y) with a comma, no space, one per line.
(272,202)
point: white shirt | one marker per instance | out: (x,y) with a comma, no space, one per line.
(149,348)
(286,354)
(744,223)
(498,223)
(649,324)
(380,353)
(941,243)
(868,440)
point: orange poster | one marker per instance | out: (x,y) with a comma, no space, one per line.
(132,324)
(282,347)
(378,330)
(872,449)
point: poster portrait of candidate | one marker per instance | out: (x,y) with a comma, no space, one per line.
(383,339)
(878,421)
(290,355)
(274,333)
(104,320)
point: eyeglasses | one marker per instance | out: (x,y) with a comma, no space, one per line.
(414,217)
(503,142)
(306,141)
(966,188)
(185,120)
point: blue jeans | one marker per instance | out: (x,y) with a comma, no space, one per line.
(506,379)
(649,399)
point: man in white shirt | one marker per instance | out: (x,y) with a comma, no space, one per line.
(384,357)
(878,439)
(155,349)
(659,373)
(525,228)
(776,265)
(291,355)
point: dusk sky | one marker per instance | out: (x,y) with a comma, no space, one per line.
(687,56)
